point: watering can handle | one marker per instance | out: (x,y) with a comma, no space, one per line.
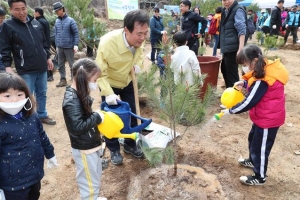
(144,123)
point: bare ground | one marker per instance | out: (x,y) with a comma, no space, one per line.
(213,147)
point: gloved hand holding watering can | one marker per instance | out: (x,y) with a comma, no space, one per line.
(230,97)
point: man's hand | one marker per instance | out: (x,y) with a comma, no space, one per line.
(112,99)
(137,69)
(75,49)
(50,64)
(9,70)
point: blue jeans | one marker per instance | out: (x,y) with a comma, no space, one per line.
(37,84)
(216,39)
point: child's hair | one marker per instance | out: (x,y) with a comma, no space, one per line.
(13,81)
(83,69)
(252,53)
(179,38)
(218,10)
(2,12)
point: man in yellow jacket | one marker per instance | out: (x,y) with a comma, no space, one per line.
(119,51)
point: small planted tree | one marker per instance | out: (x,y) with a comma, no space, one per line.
(272,42)
(175,104)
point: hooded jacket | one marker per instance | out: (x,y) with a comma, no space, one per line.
(27,43)
(267,110)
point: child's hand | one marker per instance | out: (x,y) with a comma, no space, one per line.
(52,162)
(239,85)
(101,114)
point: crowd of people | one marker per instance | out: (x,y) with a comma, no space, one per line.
(26,41)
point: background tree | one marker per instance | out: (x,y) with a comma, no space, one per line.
(90,28)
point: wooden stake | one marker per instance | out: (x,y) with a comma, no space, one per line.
(136,94)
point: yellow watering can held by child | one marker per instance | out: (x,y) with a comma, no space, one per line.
(112,125)
(230,97)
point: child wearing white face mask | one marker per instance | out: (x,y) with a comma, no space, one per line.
(82,123)
(23,141)
(265,102)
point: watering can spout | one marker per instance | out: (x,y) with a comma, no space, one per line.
(112,125)
(219,115)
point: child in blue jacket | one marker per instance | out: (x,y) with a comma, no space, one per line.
(23,141)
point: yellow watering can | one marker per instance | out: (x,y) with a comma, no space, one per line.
(230,97)
(112,125)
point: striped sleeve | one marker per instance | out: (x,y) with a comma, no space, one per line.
(257,91)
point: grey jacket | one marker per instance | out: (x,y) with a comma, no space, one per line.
(66,32)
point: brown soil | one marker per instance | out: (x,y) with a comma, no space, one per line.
(213,147)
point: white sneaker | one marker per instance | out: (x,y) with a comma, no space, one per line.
(222,106)
(101,198)
(298,41)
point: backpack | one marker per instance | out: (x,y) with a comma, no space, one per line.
(250,26)
(213,27)
(255,17)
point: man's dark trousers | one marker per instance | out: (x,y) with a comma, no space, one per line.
(229,69)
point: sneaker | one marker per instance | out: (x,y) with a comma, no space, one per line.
(135,151)
(252,180)
(222,106)
(116,157)
(50,79)
(245,162)
(48,120)
(62,83)
(101,198)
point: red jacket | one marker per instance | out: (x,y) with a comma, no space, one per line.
(270,111)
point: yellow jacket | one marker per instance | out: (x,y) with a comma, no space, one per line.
(116,61)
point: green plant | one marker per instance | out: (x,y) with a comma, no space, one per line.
(175,103)
(259,37)
(254,7)
(90,29)
(207,7)
(272,42)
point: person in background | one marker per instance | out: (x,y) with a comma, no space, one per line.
(276,21)
(232,39)
(184,62)
(217,17)
(39,16)
(82,123)
(120,52)
(66,41)
(22,40)
(207,35)
(292,24)
(250,16)
(189,24)
(2,18)
(265,102)
(262,18)
(24,143)
(157,30)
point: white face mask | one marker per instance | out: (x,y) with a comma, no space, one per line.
(245,69)
(14,108)
(92,86)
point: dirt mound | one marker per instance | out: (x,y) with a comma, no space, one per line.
(190,183)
